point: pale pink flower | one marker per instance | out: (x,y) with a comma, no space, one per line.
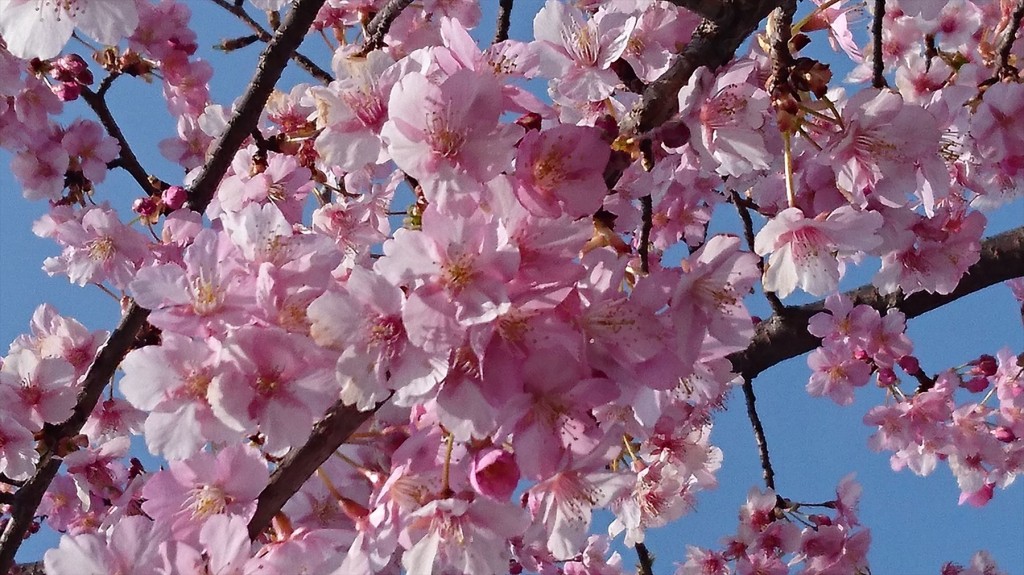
(364,321)
(804,251)
(189,492)
(494,473)
(98,248)
(60,337)
(40,30)
(707,307)
(447,135)
(224,547)
(170,382)
(457,270)
(113,418)
(577,51)
(274,381)
(90,149)
(44,387)
(835,373)
(131,547)
(352,110)
(209,293)
(41,168)
(18,453)
(461,536)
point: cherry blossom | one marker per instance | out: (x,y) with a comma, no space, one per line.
(35,29)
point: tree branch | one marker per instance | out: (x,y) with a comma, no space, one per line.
(713,44)
(27,498)
(263,35)
(336,426)
(785,336)
(759,437)
(381,23)
(127,159)
(877,64)
(271,64)
(504,21)
(1006,41)
(748,234)
(645,559)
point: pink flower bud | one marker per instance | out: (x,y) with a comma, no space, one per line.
(886,377)
(67,92)
(494,473)
(174,197)
(146,207)
(975,384)
(1004,434)
(909,364)
(985,365)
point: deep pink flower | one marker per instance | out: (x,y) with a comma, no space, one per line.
(562,169)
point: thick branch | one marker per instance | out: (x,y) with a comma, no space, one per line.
(782,337)
(102,369)
(645,565)
(713,44)
(336,426)
(264,36)
(127,158)
(272,63)
(708,9)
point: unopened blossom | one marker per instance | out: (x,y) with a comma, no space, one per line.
(804,251)
(34,29)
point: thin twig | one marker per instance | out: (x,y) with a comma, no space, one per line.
(712,44)
(127,159)
(1006,41)
(748,234)
(272,63)
(646,560)
(263,35)
(762,442)
(381,23)
(504,21)
(644,249)
(877,65)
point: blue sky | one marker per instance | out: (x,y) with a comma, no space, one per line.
(916,523)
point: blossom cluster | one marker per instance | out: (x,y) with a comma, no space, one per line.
(549,332)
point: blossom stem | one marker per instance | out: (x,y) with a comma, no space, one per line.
(449,445)
(796,28)
(788,160)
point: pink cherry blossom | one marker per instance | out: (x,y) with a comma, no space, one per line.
(561,169)
(447,135)
(131,547)
(189,492)
(34,30)
(804,251)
